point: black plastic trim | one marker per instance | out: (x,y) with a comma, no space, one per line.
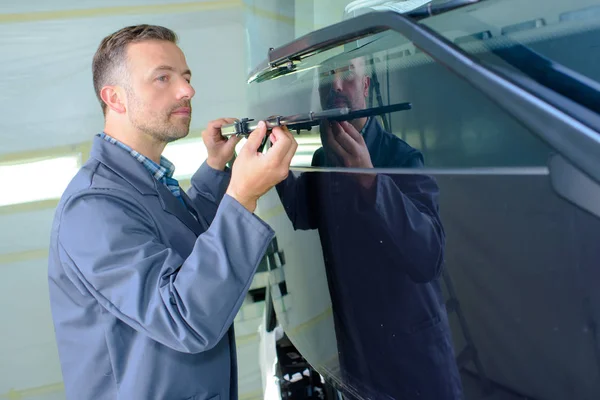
(270,315)
(568,83)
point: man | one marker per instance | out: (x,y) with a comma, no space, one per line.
(383,247)
(145,280)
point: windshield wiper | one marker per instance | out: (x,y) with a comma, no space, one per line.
(307,120)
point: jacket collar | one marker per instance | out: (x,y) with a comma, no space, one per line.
(371,131)
(127,167)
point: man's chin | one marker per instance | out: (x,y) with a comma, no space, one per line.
(177,135)
(175,132)
(337,104)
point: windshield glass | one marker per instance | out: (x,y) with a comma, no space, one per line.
(554,43)
(554,49)
(397,88)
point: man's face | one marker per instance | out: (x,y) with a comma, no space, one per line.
(344,86)
(158,91)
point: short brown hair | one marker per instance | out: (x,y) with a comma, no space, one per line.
(110,58)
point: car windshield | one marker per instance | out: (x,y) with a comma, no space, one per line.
(487,26)
(549,43)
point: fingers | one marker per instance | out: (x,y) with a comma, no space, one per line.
(256,137)
(232,141)
(284,133)
(292,149)
(282,140)
(344,139)
(351,131)
(218,123)
(283,150)
(214,127)
(335,146)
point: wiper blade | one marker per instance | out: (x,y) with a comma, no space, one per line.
(307,120)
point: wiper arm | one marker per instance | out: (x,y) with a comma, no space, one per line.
(307,120)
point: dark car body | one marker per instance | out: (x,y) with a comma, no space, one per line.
(470,268)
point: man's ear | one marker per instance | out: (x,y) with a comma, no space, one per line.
(366,85)
(114,98)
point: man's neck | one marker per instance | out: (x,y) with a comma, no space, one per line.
(359,123)
(138,141)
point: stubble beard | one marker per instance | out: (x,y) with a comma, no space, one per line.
(159,127)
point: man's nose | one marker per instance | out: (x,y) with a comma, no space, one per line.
(337,84)
(186,91)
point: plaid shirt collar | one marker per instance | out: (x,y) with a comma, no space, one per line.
(162,173)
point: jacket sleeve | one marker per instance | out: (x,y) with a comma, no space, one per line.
(298,198)
(403,207)
(208,187)
(110,247)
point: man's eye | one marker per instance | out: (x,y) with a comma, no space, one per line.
(163,78)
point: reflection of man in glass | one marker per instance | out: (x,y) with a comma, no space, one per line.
(383,244)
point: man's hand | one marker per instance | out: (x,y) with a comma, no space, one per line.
(347,147)
(255,173)
(220,149)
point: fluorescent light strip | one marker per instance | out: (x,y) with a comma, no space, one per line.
(37,180)
(30,181)
(188,155)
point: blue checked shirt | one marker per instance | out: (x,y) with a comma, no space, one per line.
(162,173)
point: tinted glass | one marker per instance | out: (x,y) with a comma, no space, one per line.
(452,124)
(442,265)
(556,32)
